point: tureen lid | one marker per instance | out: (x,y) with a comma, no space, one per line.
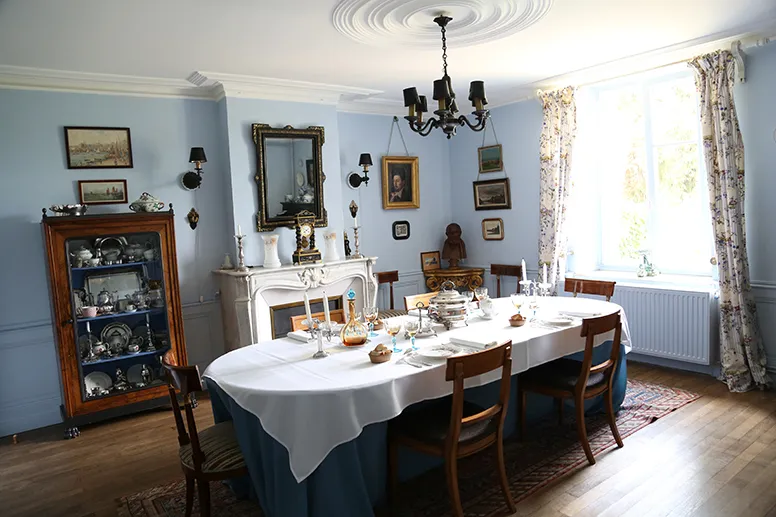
(448,295)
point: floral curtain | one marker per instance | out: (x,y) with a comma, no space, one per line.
(741,349)
(559,129)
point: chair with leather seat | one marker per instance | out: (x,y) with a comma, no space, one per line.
(499,270)
(452,428)
(583,286)
(566,378)
(208,455)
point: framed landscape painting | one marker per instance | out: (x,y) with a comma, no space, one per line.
(490,159)
(493,229)
(492,195)
(102,192)
(98,147)
(430,260)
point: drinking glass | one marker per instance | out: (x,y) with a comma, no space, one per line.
(370,315)
(393,327)
(517,300)
(481,292)
(412,326)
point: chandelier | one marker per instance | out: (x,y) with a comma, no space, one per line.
(445,97)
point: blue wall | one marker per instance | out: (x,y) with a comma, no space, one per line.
(757,117)
(34,172)
(369,134)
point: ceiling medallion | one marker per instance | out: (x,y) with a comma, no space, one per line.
(404,23)
(445,97)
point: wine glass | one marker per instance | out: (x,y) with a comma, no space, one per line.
(480,293)
(412,326)
(370,315)
(393,327)
(517,300)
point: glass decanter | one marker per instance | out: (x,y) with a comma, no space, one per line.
(354,333)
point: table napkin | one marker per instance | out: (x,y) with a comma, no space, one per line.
(299,335)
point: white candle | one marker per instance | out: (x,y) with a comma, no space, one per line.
(544,273)
(239,230)
(326,307)
(307,309)
(355,221)
(525,275)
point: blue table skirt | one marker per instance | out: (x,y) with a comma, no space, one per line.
(351,480)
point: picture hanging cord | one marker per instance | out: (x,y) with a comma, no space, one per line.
(390,135)
(484,131)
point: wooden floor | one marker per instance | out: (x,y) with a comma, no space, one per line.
(714,457)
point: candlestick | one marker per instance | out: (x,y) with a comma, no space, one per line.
(307,309)
(525,274)
(356,254)
(240,253)
(326,308)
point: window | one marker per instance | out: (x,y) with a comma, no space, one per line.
(645,170)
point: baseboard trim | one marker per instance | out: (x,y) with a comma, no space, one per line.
(712,370)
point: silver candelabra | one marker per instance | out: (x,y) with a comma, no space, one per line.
(318,330)
(357,253)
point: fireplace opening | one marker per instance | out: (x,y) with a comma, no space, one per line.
(280,315)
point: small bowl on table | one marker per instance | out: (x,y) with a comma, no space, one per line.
(381,354)
(517,320)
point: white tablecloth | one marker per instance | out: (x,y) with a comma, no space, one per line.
(312,405)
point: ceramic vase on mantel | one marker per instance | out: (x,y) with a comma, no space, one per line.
(331,252)
(271,258)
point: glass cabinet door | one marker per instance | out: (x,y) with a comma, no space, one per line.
(121,319)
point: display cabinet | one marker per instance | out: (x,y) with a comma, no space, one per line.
(116,311)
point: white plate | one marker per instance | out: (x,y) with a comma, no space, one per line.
(97,380)
(135,373)
(560,321)
(437,352)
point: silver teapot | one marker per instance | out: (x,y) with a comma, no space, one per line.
(82,256)
(104,298)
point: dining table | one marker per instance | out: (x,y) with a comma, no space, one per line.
(313,430)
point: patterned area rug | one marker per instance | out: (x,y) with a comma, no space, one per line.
(548,453)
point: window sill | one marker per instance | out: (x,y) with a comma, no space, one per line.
(672,282)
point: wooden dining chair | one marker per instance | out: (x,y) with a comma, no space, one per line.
(453,428)
(208,455)
(336,315)
(388,277)
(411,302)
(596,287)
(566,378)
(500,270)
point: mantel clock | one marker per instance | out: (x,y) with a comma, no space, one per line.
(306,252)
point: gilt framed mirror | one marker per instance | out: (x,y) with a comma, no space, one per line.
(289,175)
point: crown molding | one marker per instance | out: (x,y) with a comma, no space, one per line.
(27,78)
(372,106)
(269,88)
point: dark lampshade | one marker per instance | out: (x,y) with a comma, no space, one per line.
(477,91)
(197,155)
(441,91)
(365,159)
(423,106)
(411,97)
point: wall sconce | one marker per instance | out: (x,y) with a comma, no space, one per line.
(192,180)
(354,180)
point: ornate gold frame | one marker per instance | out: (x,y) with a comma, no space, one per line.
(316,133)
(415,203)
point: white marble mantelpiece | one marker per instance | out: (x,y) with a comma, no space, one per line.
(246,297)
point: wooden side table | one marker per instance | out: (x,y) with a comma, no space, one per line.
(464,278)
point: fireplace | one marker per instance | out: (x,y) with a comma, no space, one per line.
(248,298)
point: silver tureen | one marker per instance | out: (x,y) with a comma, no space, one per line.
(449,307)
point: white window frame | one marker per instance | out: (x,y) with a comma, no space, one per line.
(646,83)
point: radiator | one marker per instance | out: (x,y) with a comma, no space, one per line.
(672,324)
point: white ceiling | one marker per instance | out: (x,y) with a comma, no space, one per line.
(297,39)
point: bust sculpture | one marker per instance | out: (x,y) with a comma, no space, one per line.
(454,249)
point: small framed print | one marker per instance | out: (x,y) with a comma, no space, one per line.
(492,194)
(102,192)
(401,230)
(430,260)
(98,147)
(493,229)
(490,159)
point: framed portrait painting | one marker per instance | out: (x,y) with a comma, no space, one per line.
(98,147)
(490,159)
(401,230)
(430,260)
(102,192)
(492,195)
(493,229)
(400,182)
